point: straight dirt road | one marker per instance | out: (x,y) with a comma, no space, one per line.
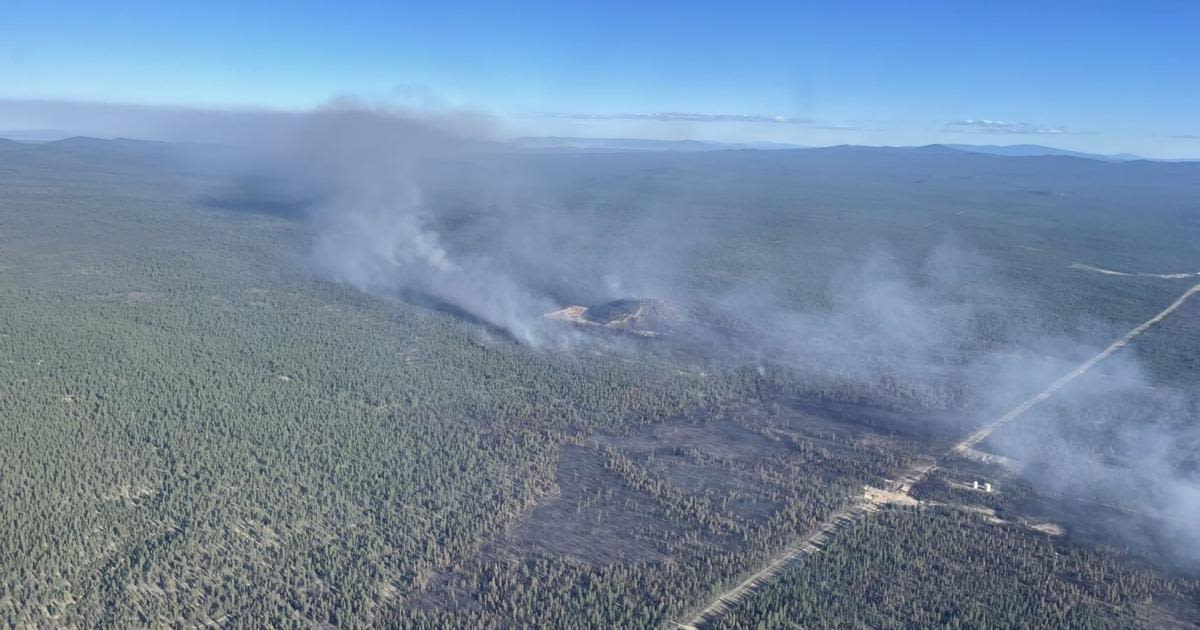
(870,501)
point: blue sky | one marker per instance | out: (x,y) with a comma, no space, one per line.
(1099,76)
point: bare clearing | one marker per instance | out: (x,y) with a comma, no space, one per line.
(992,459)
(1110,272)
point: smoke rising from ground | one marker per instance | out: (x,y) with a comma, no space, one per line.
(424,208)
(375,226)
(429,208)
(1114,439)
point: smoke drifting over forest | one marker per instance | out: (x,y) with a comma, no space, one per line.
(1115,439)
(376,225)
(433,209)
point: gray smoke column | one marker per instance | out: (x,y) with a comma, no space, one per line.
(375,225)
(360,173)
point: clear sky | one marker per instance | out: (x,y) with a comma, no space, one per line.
(1099,76)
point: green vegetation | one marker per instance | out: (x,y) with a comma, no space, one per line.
(921,568)
(197,430)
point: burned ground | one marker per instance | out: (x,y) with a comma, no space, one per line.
(682,492)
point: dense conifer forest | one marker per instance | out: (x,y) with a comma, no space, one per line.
(198,429)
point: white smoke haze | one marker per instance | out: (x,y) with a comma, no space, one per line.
(374,225)
(942,337)
(426,206)
(1114,439)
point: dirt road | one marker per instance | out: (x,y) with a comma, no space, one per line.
(870,501)
(1137,274)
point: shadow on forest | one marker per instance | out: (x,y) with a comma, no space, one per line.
(422,299)
(260,194)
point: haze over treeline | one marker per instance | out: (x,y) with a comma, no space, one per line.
(429,207)
(603,315)
(355,298)
(423,206)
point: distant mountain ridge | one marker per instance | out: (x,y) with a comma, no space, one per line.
(554,144)
(557,143)
(551,143)
(38,135)
(1034,150)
